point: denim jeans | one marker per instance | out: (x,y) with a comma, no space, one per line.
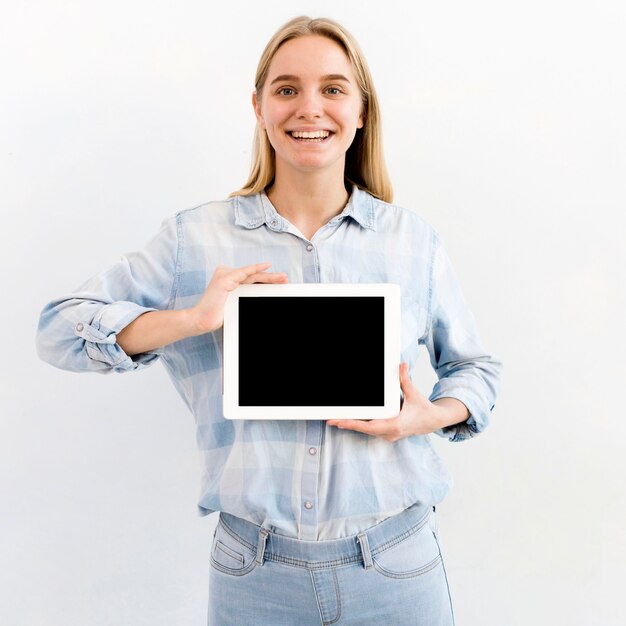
(391,574)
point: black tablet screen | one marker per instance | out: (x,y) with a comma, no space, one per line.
(311,351)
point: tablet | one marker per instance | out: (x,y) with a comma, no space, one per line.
(312,351)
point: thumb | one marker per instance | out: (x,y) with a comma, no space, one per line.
(406,385)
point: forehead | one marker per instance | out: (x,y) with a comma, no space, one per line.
(311,55)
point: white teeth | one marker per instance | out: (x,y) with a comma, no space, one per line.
(317,134)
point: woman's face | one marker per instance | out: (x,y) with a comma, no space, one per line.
(310,106)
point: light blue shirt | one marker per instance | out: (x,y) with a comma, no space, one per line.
(301,478)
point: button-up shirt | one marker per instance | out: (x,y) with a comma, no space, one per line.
(300,478)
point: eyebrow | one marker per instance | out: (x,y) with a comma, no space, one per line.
(294,78)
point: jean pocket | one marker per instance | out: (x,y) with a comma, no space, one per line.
(229,554)
(413,554)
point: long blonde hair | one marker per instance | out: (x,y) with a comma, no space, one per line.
(365,162)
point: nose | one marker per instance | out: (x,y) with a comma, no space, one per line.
(309,105)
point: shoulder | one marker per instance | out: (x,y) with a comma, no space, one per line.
(210,211)
(247,211)
(389,217)
(217,217)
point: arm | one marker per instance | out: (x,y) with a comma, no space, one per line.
(418,415)
(119,319)
(159,328)
(78,331)
(461,401)
(465,370)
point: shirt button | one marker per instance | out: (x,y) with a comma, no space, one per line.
(312,451)
(308,504)
(274,222)
(79,327)
(309,247)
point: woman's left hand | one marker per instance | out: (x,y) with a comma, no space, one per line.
(418,415)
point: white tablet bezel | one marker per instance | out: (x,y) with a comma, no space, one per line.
(391,407)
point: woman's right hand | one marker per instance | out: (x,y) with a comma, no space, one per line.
(208,314)
(156,329)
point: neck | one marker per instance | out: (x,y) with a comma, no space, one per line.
(308,200)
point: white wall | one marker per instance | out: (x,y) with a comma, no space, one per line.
(504,127)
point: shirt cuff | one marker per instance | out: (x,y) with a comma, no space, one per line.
(100,337)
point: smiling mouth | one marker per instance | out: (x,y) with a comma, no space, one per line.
(316,136)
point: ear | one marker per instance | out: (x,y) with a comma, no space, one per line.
(361,121)
(256,105)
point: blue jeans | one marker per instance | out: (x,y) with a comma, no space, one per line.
(390,574)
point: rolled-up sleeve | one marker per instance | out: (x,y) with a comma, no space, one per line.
(465,370)
(78,331)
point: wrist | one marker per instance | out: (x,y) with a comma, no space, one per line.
(190,321)
(448,412)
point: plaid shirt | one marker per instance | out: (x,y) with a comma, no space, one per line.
(300,478)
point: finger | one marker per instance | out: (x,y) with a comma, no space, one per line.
(230,279)
(371,427)
(242,273)
(267,277)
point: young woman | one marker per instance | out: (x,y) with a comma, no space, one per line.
(321,522)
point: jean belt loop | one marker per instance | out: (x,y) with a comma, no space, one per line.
(260,549)
(365,550)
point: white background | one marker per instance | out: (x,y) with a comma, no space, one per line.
(504,127)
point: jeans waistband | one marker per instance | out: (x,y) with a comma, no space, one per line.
(327,553)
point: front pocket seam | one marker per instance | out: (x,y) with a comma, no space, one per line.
(412,574)
(232,572)
(228,552)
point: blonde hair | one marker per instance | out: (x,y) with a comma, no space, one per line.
(365,164)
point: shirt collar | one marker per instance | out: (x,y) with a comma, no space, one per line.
(252,211)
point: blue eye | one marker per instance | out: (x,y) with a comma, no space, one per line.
(333,91)
(286,91)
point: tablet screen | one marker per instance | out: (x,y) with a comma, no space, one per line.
(303,351)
